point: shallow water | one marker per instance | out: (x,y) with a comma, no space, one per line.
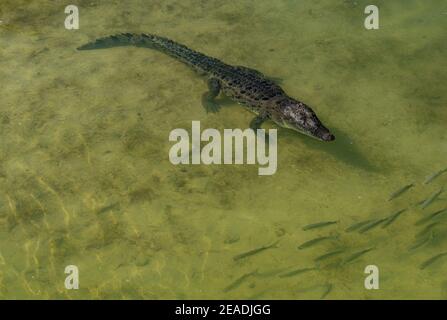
(85,177)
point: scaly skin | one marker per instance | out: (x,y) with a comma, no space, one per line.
(248,87)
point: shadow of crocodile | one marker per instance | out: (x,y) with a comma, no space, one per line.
(343,149)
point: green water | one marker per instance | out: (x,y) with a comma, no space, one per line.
(85,177)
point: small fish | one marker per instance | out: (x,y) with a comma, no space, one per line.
(393,217)
(432,198)
(420,202)
(372,225)
(315,241)
(434,176)
(430,217)
(327,290)
(400,191)
(356,255)
(236,283)
(271,273)
(433,259)
(358,225)
(254,251)
(232,239)
(112,206)
(421,242)
(296,272)
(329,255)
(318,225)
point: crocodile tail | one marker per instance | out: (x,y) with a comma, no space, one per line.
(129,39)
(172,48)
(109,42)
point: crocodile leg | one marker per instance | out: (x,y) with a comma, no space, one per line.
(208,98)
(258,121)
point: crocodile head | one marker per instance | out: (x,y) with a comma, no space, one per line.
(298,116)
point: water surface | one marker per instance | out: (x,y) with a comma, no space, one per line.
(85,177)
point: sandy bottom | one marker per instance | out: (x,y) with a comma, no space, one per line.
(85,177)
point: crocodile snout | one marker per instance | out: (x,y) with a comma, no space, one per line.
(328,137)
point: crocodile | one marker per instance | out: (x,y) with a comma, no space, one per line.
(259,93)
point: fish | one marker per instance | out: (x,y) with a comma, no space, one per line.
(318,225)
(432,198)
(393,217)
(356,255)
(372,225)
(296,272)
(236,283)
(329,255)
(254,251)
(426,229)
(401,191)
(434,176)
(431,216)
(432,260)
(358,225)
(421,242)
(271,273)
(420,202)
(315,241)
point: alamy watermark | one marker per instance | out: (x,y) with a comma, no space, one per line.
(372,20)
(72,19)
(226,149)
(372,280)
(72,280)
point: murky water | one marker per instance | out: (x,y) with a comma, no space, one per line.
(85,177)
